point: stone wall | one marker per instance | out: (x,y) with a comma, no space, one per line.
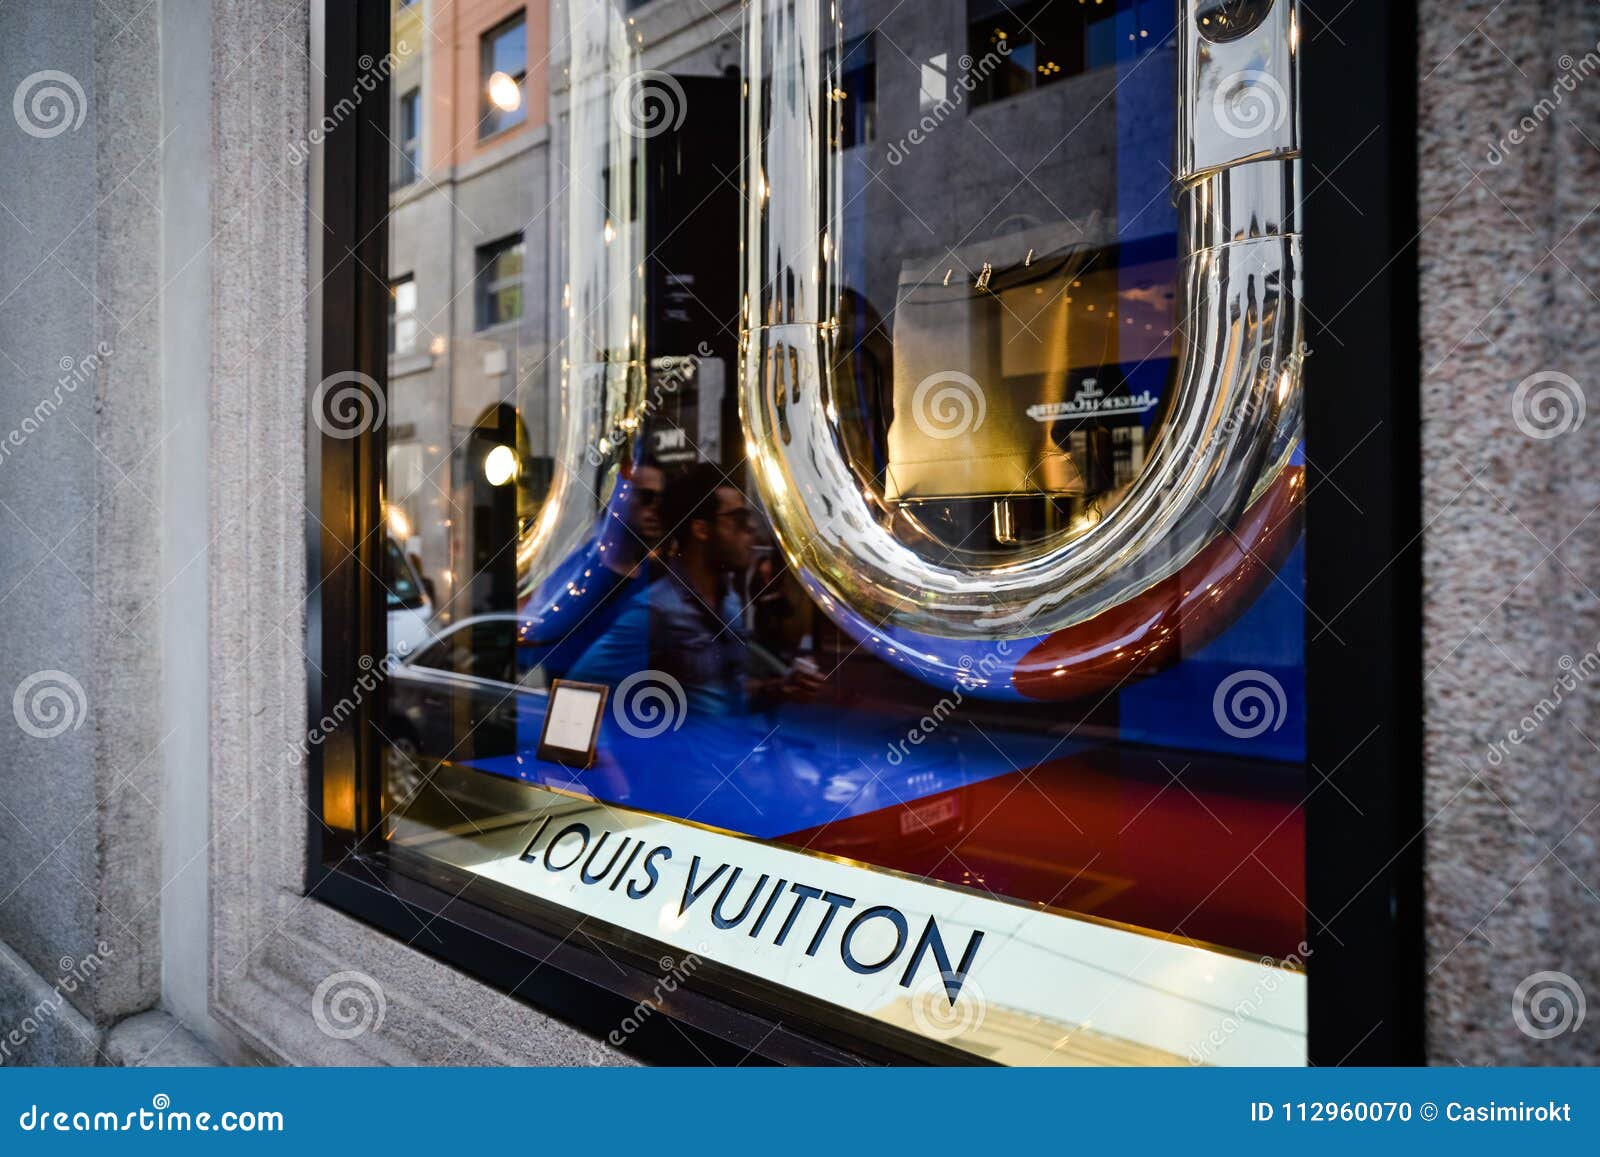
(80,589)
(1510,268)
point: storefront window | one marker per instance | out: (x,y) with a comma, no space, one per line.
(905,501)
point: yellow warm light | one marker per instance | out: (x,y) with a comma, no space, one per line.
(500,465)
(399,524)
(504,92)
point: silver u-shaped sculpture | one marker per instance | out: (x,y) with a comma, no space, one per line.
(1230,432)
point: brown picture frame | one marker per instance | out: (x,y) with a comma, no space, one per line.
(580,759)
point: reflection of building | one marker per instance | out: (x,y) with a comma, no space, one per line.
(467,262)
(949,111)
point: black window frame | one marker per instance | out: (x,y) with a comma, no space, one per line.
(492,119)
(1364,577)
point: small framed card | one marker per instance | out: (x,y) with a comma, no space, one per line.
(572,723)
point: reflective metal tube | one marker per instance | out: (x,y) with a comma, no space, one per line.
(1231,428)
(600,328)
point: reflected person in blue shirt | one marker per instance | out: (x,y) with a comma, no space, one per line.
(580,602)
(688,624)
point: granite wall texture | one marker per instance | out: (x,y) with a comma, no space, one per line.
(80,564)
(1510,268)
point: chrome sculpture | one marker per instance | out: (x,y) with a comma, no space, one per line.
(1108,598)
(601,383)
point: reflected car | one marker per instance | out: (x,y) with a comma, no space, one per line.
(409,598)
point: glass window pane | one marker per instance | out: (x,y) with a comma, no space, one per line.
(695,426)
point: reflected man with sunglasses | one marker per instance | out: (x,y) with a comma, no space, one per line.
(689,623)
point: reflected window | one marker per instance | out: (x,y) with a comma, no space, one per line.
(1018,47)
(409,141)
(858,93)
(403,315)
(500,282)
(503,76)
